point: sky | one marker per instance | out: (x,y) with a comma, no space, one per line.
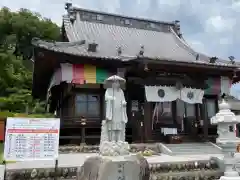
(209,26)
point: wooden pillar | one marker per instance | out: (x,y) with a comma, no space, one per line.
(196,120)
(83,136)
(147,122)
(205,120)
(174,112)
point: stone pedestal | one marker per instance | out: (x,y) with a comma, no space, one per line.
(234,177)
(114,148)
(130,167)
(228,150)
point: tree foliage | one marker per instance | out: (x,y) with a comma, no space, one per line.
(16,32)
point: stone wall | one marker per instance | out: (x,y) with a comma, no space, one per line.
(191,170)
(42,174)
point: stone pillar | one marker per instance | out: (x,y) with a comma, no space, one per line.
(227,140)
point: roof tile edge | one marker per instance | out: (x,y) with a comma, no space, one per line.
(70,8)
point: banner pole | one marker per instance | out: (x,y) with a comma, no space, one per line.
(4,173)
(56,170)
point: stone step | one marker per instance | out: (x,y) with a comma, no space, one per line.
(193,148)
(204,146)
(196,151)
(189,144)
(210,146)
(192,153)
(201,175)
(189,150)
(200,149)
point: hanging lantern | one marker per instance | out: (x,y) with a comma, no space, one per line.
(146,67)
(235,75)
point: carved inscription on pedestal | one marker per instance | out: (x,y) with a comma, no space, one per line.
(120,171)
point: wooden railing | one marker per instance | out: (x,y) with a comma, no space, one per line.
(80,121)
(89,130)
(88,127)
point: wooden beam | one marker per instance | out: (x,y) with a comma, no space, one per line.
(205,119)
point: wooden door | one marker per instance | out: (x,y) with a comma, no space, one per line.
(137,117)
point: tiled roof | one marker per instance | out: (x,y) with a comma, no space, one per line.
(158,44)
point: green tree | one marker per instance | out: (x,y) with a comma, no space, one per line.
(17,29)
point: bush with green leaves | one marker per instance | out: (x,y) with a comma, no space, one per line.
(17,29)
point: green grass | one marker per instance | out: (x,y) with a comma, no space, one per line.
(2,154)
(5,114)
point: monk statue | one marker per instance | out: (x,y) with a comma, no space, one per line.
(116,116)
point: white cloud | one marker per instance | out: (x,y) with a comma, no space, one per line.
(219,24)
(209,26)
(172,3)
(225,41)
(197,45)
(236,6)
(111,5)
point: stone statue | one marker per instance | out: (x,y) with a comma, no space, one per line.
(112,141)
(114,160)
(116,117)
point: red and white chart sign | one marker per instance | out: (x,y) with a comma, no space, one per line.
(28,139)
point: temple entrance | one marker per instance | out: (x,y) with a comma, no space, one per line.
(165,108)
(175,113)
(164,116)
(163,121)
(176,122)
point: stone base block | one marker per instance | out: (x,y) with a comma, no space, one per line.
(2,169)
(114,148)
(130,167)
(229,178)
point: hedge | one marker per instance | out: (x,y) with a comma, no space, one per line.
(5,114)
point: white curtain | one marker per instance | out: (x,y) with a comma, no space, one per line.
(169,131)
(191,95)
(67,72)
(170,93)
(161,93)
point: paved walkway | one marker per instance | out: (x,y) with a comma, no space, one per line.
(68,160)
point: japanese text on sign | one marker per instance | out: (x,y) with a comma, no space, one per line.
(31,139)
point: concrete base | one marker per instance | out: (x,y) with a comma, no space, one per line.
(229,178)
(230,175)
(2,170)
(131,167)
